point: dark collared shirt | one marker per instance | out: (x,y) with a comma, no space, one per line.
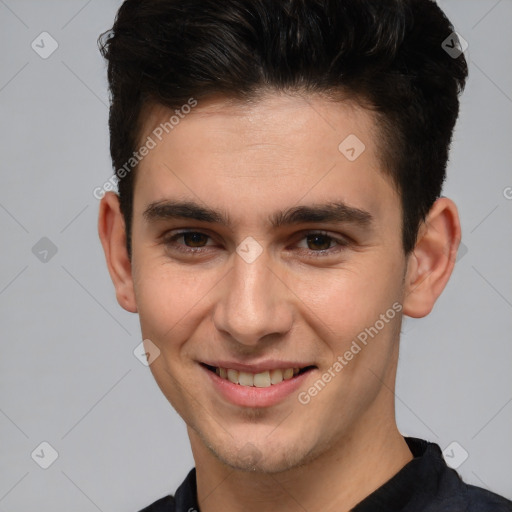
(425,484)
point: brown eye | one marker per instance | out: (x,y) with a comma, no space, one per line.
(194,238)
(319,242)
(193,242)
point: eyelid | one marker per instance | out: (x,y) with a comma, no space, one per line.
(342,241)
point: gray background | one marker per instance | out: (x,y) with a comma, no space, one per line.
(68,375)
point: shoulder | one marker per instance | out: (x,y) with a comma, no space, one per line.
(455,494)
(165,504)
(482,500)
(184,499)
(433,486)
(459,495)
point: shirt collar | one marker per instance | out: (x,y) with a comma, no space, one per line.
(416,483)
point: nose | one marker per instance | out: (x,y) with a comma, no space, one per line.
(254,303)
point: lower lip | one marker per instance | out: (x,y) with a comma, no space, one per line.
(251,396)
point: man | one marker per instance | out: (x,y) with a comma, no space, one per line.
(280,165)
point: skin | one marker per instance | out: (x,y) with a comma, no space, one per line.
(280,151)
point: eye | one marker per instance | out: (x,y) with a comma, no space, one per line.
(320,244)
(194,241)
(317,243)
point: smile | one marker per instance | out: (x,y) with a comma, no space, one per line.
(263,379)
(258,385)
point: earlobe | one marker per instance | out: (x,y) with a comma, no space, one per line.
(433,259)
(112,233)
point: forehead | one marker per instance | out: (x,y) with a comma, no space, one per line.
(270,115)
(277,148)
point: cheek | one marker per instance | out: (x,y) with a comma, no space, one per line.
(169,311)
(349,299)
(171,301)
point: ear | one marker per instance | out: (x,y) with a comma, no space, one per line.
(431,263)
(112,232)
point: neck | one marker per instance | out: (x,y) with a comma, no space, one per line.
(337,480)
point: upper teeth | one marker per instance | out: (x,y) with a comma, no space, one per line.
(259,380)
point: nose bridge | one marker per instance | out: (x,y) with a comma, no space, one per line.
(253,301)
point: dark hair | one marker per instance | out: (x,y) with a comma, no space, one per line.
(387,54)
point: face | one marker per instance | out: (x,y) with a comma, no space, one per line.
(286,254)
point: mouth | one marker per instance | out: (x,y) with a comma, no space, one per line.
(262,379)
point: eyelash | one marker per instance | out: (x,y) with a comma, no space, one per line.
(342,243)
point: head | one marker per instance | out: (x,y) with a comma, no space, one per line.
(303,145)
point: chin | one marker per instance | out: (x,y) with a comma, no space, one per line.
(260,454)
(251,459)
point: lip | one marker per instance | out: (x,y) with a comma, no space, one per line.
(256,368)
(250,396)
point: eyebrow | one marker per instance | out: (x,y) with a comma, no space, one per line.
(338,212)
